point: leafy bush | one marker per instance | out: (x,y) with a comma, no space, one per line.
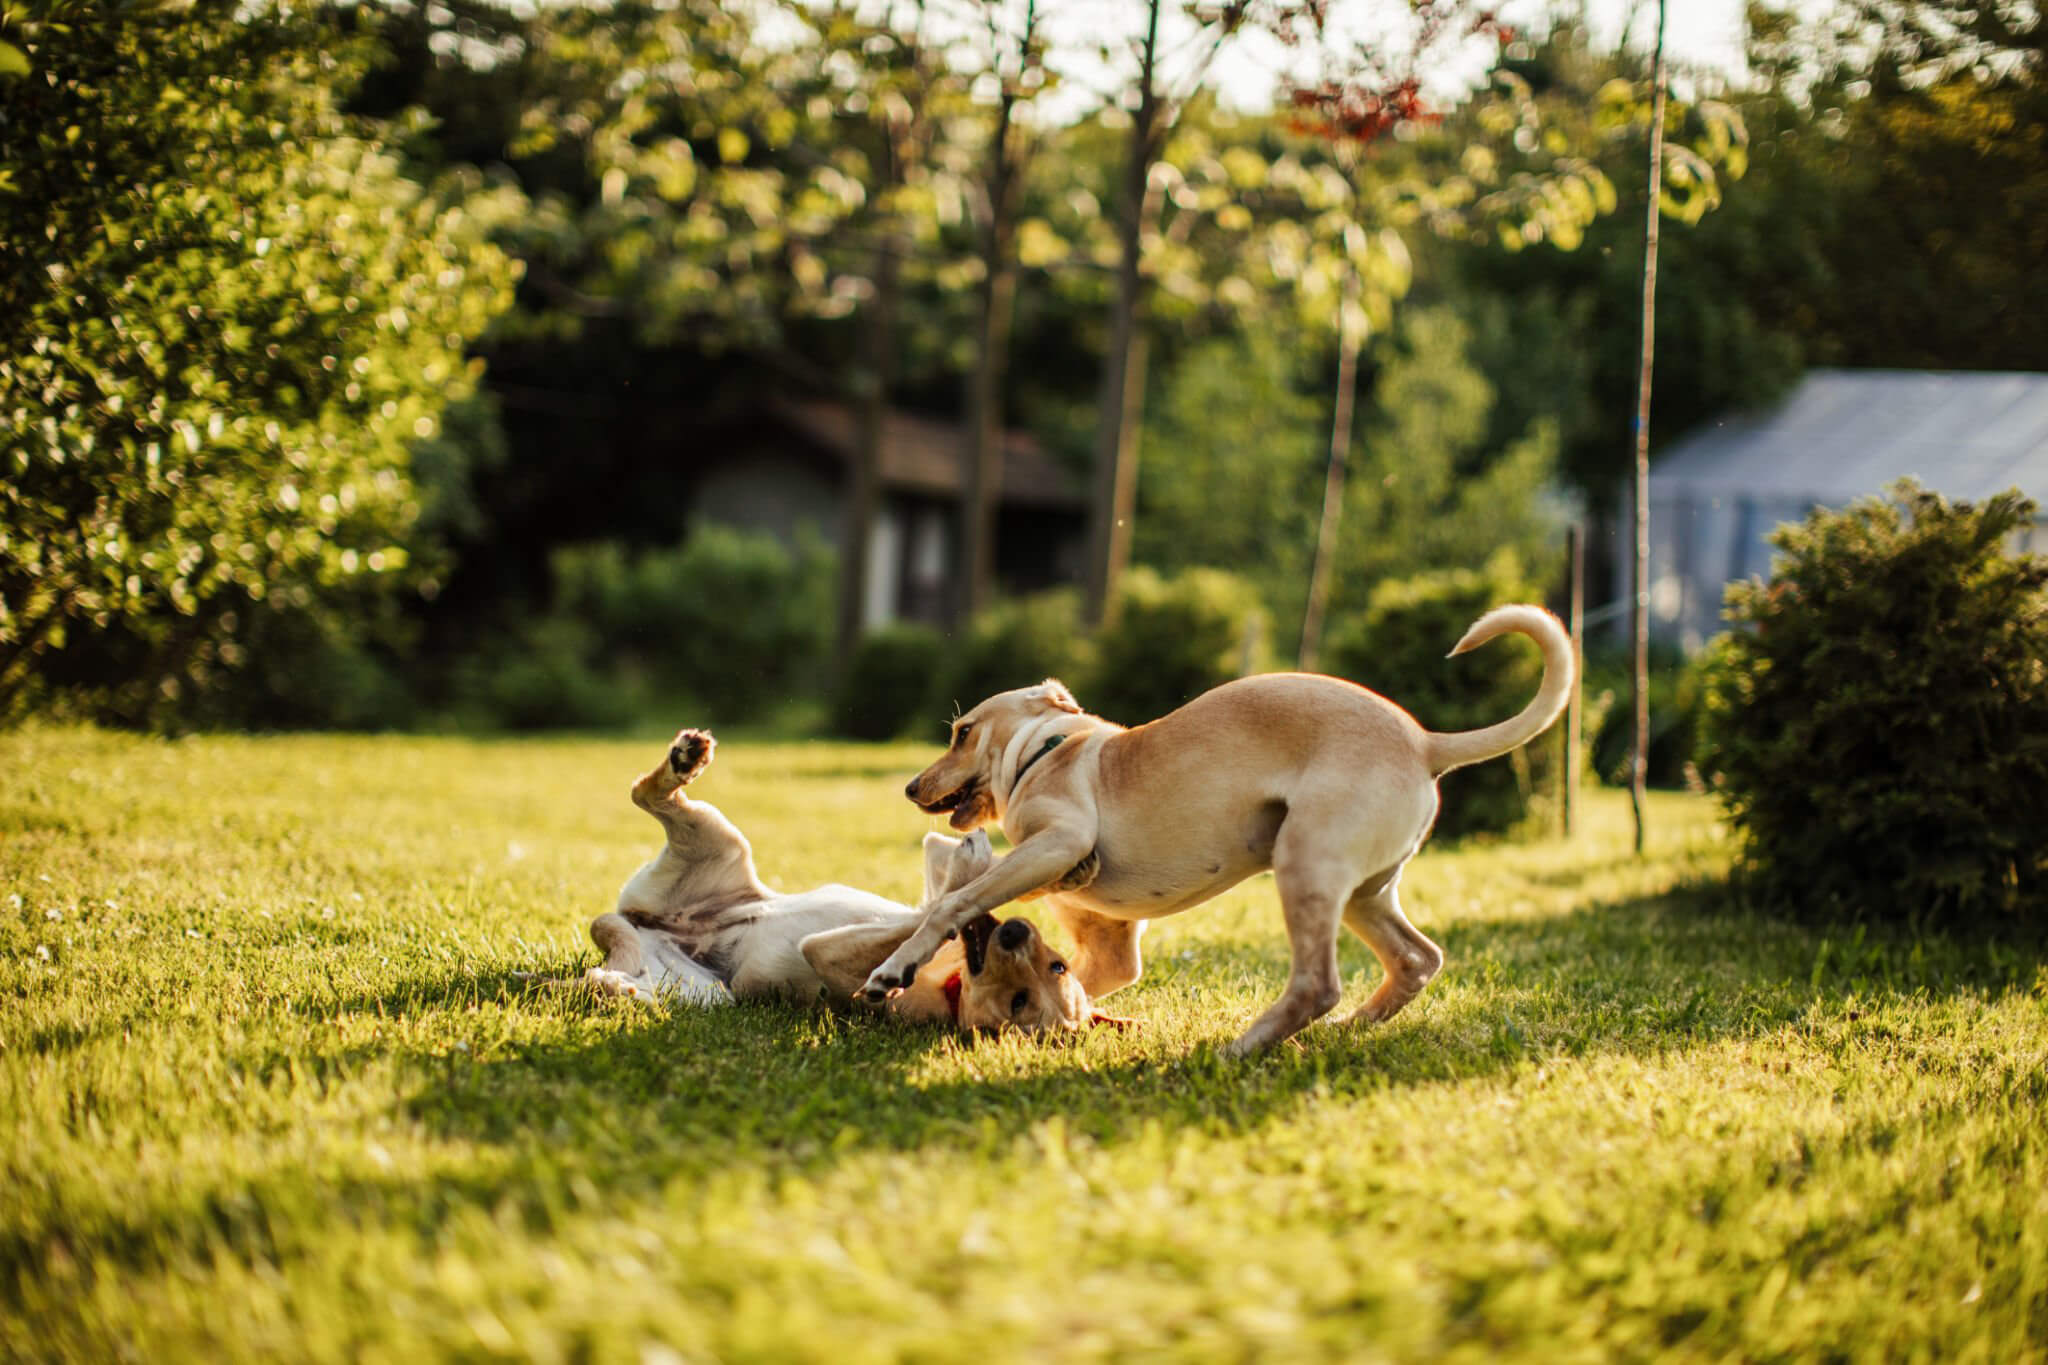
(891,682)
(1174,639)
(733,620)
(1397,649)
(1877,731)
(1016,643)
(225,315)
(316,671)
(541,678)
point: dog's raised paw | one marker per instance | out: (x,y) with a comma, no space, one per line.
(690,752)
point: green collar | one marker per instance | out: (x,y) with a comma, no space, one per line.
(1044,749)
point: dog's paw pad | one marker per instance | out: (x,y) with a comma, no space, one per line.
(690,752)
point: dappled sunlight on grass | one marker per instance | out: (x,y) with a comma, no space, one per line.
(270,1087)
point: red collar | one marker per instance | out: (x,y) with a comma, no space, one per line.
(951,988)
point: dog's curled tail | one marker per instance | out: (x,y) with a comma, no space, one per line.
(1455,750)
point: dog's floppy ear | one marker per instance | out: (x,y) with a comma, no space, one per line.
(1054,693)
(1121,1023)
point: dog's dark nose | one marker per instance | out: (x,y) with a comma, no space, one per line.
(1014,934)
(910,789)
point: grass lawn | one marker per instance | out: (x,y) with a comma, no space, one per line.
(268,1089)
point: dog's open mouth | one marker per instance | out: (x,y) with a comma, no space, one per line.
(951,801)
(974,937)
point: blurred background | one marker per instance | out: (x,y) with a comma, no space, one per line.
(817,368)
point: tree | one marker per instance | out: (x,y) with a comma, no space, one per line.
(225,316)
(1153,106)
(1015,60)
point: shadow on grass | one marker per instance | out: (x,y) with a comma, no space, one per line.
(784,1084)
(615,1099)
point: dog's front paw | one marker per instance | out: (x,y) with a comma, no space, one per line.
(690,753)
(891,978)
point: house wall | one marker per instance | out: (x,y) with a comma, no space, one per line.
(773,491)
(790,492)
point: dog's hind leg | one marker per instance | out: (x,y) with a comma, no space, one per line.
(689,754)
(1405,952)
(1314,884)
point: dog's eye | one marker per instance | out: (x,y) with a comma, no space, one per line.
(1059,969)
(1019,1001)
(960,734)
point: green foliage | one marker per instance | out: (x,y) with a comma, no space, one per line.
(544,676)
(1173,639)
(732,620)
(1234,452)
(1015,643)
(890,682)
(225,315)
(1397,648)
(1888,216)
(1877,725)
(1236,455)
(1429,490)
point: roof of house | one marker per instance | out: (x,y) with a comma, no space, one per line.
(922,454)
(1844,434)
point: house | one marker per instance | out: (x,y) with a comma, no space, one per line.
(786,468)
(1840,435)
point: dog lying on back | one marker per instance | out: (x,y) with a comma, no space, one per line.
(697,923)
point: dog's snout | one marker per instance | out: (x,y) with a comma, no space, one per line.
(1014,934)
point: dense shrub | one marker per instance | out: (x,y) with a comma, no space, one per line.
(1877,729)
(542,678)
(316,671)
(733,620)
(891,683)
(1016,643)
(1173,639)
(1397,649)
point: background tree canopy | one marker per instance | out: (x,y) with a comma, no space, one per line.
(328,337)
(226,316)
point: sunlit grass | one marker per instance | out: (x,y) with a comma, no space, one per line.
(269,1089)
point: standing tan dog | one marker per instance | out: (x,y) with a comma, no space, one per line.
(696,922)
(1331,786)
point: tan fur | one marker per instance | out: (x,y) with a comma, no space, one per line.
(698,915)
(1330,785)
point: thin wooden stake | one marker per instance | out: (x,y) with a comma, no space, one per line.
(1575,709)
(1639,757)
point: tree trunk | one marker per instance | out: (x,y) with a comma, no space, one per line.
(1639,757)
(864,485)
(1348,340)
(1123,367)
(981,482)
